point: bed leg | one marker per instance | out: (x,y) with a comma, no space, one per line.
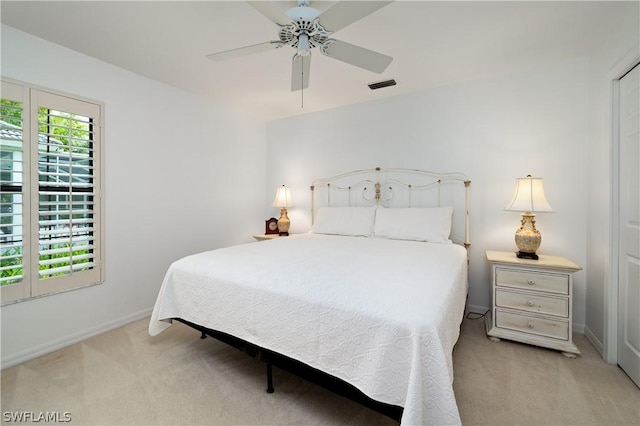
(203,336)
(269,378)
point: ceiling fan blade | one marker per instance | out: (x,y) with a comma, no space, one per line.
(271,11)
(300,72)
(243,51)
(344,13)
(356,55)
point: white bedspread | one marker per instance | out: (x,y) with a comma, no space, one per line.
(383,315)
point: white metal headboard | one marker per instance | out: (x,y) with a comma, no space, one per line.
(398,188)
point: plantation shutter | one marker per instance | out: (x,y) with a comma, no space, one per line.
(66,192)
(51,199)
(14,199)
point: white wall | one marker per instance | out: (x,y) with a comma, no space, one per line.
(182,175)
(494,130)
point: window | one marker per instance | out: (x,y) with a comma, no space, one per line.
(51,199)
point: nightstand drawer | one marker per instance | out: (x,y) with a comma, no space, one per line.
(558,306)
(528,324)
(537,281)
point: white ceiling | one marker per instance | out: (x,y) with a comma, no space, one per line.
(433,44)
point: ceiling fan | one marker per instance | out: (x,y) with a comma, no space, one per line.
(305,28)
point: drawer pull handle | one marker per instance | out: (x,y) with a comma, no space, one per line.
(531,282)
(529,303)
(530,325)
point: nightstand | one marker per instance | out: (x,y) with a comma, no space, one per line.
(532,301)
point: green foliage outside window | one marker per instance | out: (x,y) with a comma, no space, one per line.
(11,112)
(70,129)
(13,257)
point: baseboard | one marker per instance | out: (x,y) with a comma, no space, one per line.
(578,328)
(597,344)
(54,345)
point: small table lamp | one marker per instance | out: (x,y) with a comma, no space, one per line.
(283,200)
(528,198)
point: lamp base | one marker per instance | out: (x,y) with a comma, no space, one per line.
(525,255)
(527,237)
(283,223)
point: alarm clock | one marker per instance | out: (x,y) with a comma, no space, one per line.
(271,226)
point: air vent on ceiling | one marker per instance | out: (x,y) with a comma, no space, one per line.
(381,84)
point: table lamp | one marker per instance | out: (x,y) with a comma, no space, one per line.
(528,198)
(283,200)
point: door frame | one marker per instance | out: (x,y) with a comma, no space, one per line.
(610,338)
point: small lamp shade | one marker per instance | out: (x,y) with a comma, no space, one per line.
(283,200)
(528,198)
(283,197)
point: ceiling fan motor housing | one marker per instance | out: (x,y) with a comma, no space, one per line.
(290,34)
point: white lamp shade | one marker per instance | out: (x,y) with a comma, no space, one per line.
(283,197)
(529,196)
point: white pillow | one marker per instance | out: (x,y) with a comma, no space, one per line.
(352,221)
(417,224)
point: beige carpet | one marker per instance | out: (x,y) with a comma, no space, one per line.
(125,377)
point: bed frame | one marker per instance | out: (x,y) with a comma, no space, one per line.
(398,188)
(313,375)
(388,188)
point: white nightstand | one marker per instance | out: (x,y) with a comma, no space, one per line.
(532,301)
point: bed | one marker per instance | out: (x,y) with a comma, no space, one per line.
(373,296)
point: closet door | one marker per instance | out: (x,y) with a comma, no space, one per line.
(629,226)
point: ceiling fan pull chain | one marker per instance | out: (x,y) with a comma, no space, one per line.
(302,83)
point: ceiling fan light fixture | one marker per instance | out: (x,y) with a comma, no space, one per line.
(303,45)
